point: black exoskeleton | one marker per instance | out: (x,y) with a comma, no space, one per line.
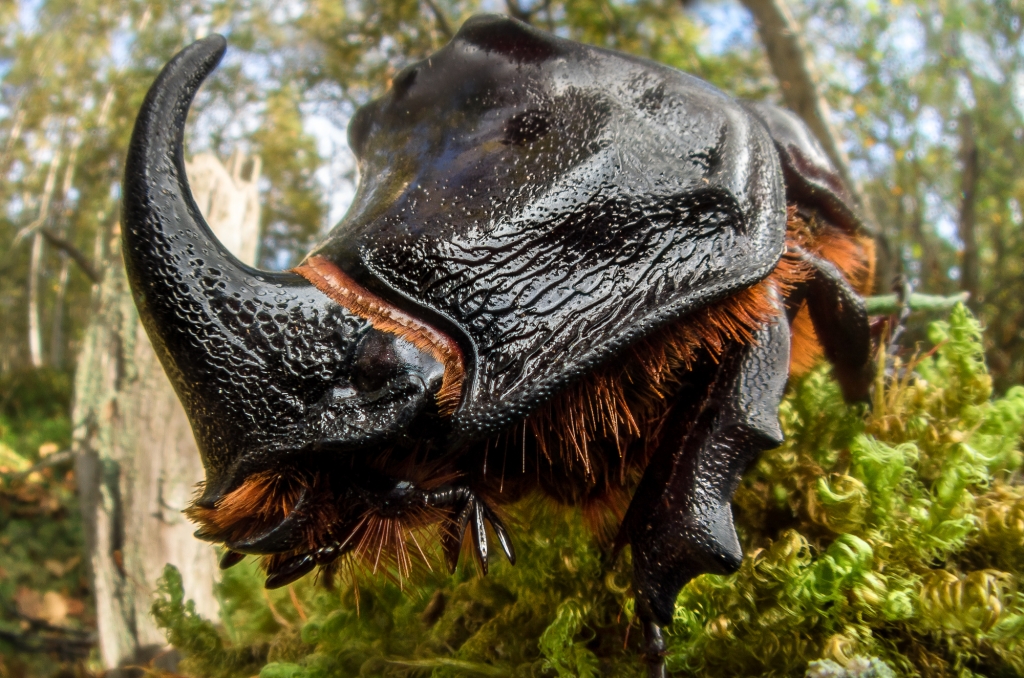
(565,270)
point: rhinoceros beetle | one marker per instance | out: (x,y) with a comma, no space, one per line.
(566,270)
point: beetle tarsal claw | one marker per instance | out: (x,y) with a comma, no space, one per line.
(230,559)
(480,535)
(504,539)
(289,570)
(474,513)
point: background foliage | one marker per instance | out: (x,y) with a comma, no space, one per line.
(914,85)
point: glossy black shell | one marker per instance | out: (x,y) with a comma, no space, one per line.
(549,203)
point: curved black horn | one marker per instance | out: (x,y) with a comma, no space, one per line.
(163,227)
(263,362)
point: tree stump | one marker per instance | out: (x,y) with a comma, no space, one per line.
(137,462)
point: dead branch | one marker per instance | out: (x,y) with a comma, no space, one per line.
(969,267)
(73,252)
(442,21)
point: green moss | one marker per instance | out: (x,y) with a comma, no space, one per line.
(881,540)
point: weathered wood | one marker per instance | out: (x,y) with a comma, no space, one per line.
(137,461)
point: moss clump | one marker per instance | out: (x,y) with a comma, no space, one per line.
(881,540)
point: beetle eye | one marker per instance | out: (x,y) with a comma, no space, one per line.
(527,127)
(382,358)
(376,362)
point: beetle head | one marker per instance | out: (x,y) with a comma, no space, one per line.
(266,366)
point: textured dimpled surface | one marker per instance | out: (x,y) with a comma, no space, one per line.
(252,355)
(549,203)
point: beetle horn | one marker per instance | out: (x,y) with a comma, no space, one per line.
(265,364)
(164,231)
(183,279)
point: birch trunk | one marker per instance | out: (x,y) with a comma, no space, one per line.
(970,268)
(35,330)
(137,460)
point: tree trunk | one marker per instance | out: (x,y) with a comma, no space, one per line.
(35,329)
(57,317)
(969,265)
(793,67)
(138,464)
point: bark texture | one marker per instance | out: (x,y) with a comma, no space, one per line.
(137,460)
(970,263)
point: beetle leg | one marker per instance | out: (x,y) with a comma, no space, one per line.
(654,650)
(470,511)
(841,322)
(679,522)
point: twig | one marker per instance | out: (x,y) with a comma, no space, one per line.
(274,613)
(297,604)
(74,644)
(42,636)
(52,460)
(76,254)
(516,11)
(887,304)
(439,17)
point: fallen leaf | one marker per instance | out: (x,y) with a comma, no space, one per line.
(29,603)
(59,569)
(55,608)
(50,607)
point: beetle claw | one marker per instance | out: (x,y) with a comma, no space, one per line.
(504,539)
(230,559)
(476,511)
(290,570)
(480,534)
